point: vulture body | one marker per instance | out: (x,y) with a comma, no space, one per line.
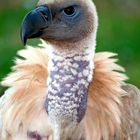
(64,91)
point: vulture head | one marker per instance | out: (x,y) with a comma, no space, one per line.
(60,20)
(69,27)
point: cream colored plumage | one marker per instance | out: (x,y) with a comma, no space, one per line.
(112,106)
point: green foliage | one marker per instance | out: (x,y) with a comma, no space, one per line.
(119,31)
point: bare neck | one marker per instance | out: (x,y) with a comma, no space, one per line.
(70,72)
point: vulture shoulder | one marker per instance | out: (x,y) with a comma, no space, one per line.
(113,107)
(131,112)
(22,104)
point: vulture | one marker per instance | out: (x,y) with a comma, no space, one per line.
(62,89)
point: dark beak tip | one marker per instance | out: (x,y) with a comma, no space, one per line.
(24,41)
(33,23)
(23,37)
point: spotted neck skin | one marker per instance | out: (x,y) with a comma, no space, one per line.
(70,72)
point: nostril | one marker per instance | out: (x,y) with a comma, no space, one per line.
(44,15)
(44,12)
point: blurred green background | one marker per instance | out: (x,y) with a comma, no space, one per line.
(119,31)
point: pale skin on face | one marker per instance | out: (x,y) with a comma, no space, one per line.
(71,30)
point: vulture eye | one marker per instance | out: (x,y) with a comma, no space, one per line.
(70,11)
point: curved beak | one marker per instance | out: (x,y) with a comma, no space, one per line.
(34,23)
